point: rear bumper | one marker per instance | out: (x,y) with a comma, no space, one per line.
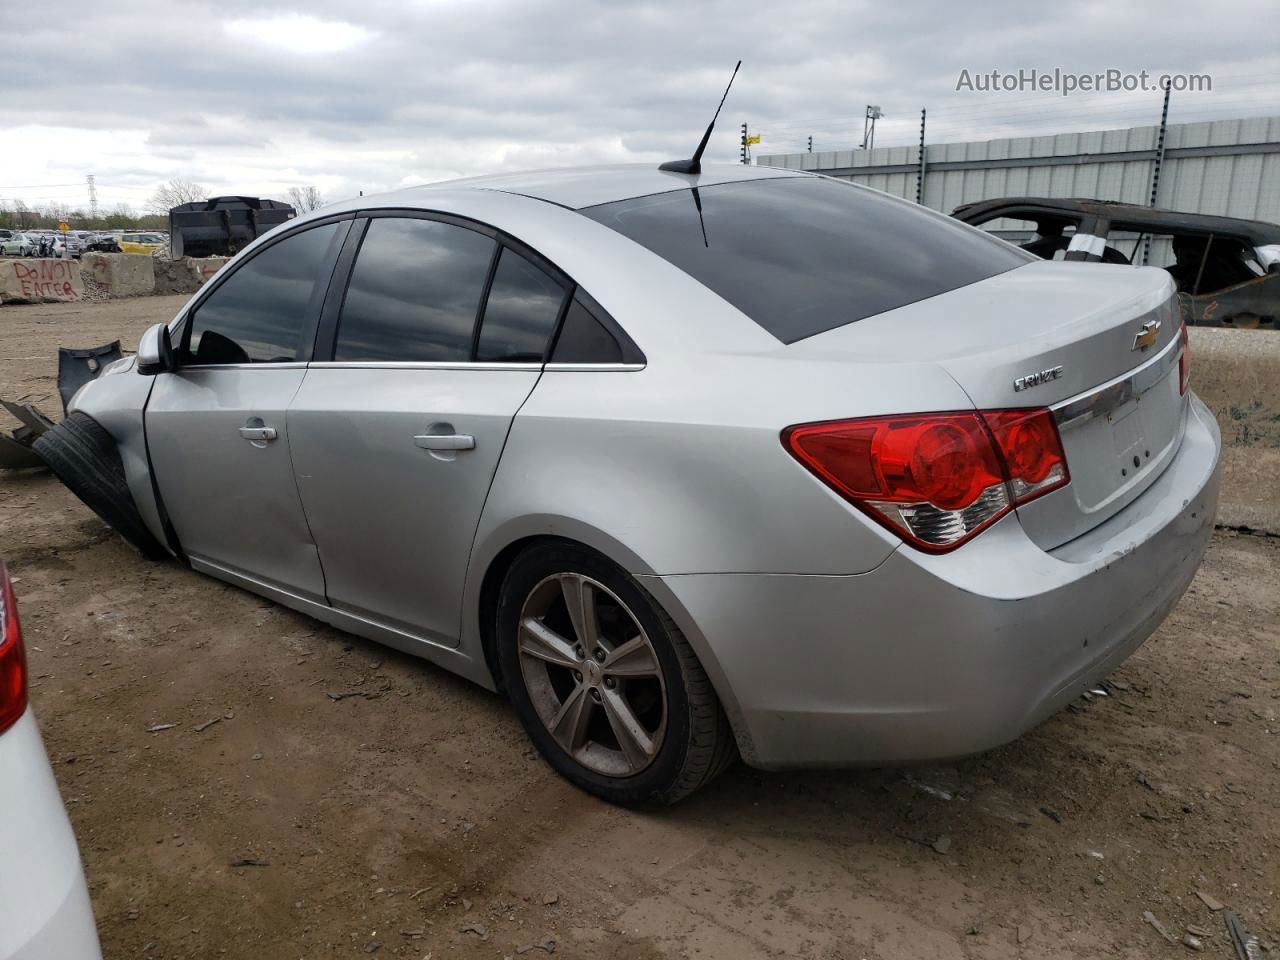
(44,903)
(927,657)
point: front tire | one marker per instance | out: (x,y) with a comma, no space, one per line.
(604,682)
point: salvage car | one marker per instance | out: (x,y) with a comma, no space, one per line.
(690,465)
(1227,270)
(44,902)
(20,245)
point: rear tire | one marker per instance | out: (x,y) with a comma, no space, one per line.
(85,458)
(636,719)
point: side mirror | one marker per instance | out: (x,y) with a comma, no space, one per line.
(155,352)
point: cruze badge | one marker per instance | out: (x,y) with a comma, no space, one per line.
(1147,335)
(1035,379)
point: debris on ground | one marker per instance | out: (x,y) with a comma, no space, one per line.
(1160,928)
(156,728)
(941,845)
(249,862)
(15,446)
(202,727)
(1248,947)
(1210,901)
(479,929)
(547,946)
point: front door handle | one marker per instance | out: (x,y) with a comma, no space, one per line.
(454,441)
(258,434)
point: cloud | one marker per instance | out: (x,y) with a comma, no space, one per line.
(298,33)
(253,97)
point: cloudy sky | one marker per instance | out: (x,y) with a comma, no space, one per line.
(258,97)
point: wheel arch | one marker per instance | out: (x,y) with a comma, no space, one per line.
(491,562)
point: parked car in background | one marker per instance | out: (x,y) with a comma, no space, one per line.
(142,242)
(20,245)
(44,902)
(1227,270)
(102,243)
(868,486)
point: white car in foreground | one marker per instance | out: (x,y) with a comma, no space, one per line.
(44,903)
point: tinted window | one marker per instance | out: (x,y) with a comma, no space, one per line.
(414,292)
(803,255)
(521,312)
(263,311)
(583,339)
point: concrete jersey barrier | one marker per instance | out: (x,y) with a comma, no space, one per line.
(40,281)
(120,274)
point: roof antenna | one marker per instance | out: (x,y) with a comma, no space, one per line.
(694,164)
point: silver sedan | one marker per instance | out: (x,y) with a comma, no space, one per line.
(692,466)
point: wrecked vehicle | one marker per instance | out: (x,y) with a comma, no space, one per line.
(867,487)
(1227,270)
(222,226)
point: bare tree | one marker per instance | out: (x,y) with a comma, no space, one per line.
(305,199)
(174,192)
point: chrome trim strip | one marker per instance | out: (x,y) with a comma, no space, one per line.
(243,366)
(1098,401)
(594,367)
(420,365)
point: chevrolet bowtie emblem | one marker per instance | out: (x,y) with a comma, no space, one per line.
(1147,335)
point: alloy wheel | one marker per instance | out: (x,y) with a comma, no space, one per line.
(592,674)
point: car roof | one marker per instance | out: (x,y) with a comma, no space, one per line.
(579,187)
(1154,219)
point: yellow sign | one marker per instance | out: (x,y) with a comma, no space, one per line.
(64,226)
(753,139)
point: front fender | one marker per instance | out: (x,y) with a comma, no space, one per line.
(118,401)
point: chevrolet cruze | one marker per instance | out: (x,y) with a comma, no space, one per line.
(691,465)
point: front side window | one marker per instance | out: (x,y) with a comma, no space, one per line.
(414,293)
(521,311)
(263,312)
(801,255)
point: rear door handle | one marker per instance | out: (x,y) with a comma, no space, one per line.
(455,441)
(259,434)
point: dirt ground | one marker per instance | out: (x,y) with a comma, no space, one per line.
(416,821)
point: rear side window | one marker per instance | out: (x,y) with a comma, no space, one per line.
(521,312)
(414,293)
(802,255)
(584,339)
(263,312)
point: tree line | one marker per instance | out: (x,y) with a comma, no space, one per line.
(17,215)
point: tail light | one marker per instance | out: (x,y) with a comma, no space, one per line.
(936,479)
(1184,360)
(13,661)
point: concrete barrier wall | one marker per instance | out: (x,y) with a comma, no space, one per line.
(26,280)
(40,281)
(186,275)
(1237,374)
(120,274)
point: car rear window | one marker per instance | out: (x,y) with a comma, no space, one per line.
(802,255)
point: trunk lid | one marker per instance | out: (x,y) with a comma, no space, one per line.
(1098,343)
